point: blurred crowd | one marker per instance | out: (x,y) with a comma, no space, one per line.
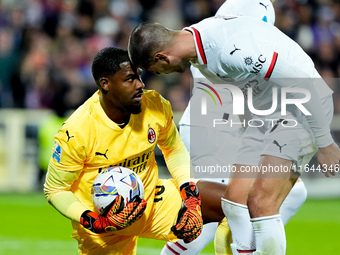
(47,46)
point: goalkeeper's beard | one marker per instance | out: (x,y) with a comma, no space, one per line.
(134,109)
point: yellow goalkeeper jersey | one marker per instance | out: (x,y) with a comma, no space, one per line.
(89,141)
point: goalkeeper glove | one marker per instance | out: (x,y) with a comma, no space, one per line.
(115,216)
(189,221)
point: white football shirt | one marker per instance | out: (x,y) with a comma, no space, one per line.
(261,10)
(250,53)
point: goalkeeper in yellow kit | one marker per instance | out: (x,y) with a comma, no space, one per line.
(120,125)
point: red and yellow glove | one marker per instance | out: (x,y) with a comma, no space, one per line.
(189,221)
(115,216)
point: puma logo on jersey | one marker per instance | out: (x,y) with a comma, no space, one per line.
(278,145)
(102,154)
(68,136)
(233,51)
(265,6)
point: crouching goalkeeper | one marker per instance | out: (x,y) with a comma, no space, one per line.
(120,125)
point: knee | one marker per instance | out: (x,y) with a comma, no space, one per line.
(262,204)
(238,191)
(255,205)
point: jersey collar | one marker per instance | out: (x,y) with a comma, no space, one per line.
(202,60)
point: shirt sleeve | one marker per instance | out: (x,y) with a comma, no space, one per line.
(278,72)
(69,152)
(57,189)
(175,153)
(267,65)
(64,168)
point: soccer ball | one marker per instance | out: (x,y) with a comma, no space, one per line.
(115,181)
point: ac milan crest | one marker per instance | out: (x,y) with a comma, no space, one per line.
(151,135)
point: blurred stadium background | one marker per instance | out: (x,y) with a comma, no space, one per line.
(46,49)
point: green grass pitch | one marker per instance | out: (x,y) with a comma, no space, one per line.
(30,226)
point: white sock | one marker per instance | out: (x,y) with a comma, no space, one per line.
(295,199)
(239,222)
(193,248)
(270,235)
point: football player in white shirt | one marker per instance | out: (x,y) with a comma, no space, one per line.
(206,139)
(278,137)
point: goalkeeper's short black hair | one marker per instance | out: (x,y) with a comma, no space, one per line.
(107,62)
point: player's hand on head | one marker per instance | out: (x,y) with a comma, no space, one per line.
(189,222)
(115,216)
(329,159)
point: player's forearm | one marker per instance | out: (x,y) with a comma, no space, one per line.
(176,155)
(67,204)
(178,163)
(319,124)
(58,193)
(287,76)
(316,118)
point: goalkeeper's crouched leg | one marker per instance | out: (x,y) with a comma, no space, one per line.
(195,247)
(223,239)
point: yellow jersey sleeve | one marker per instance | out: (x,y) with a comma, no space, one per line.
(175,154)
(57,189)
(68,154)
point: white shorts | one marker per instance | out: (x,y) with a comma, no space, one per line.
(207,134)
(291,138)
(212,151)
